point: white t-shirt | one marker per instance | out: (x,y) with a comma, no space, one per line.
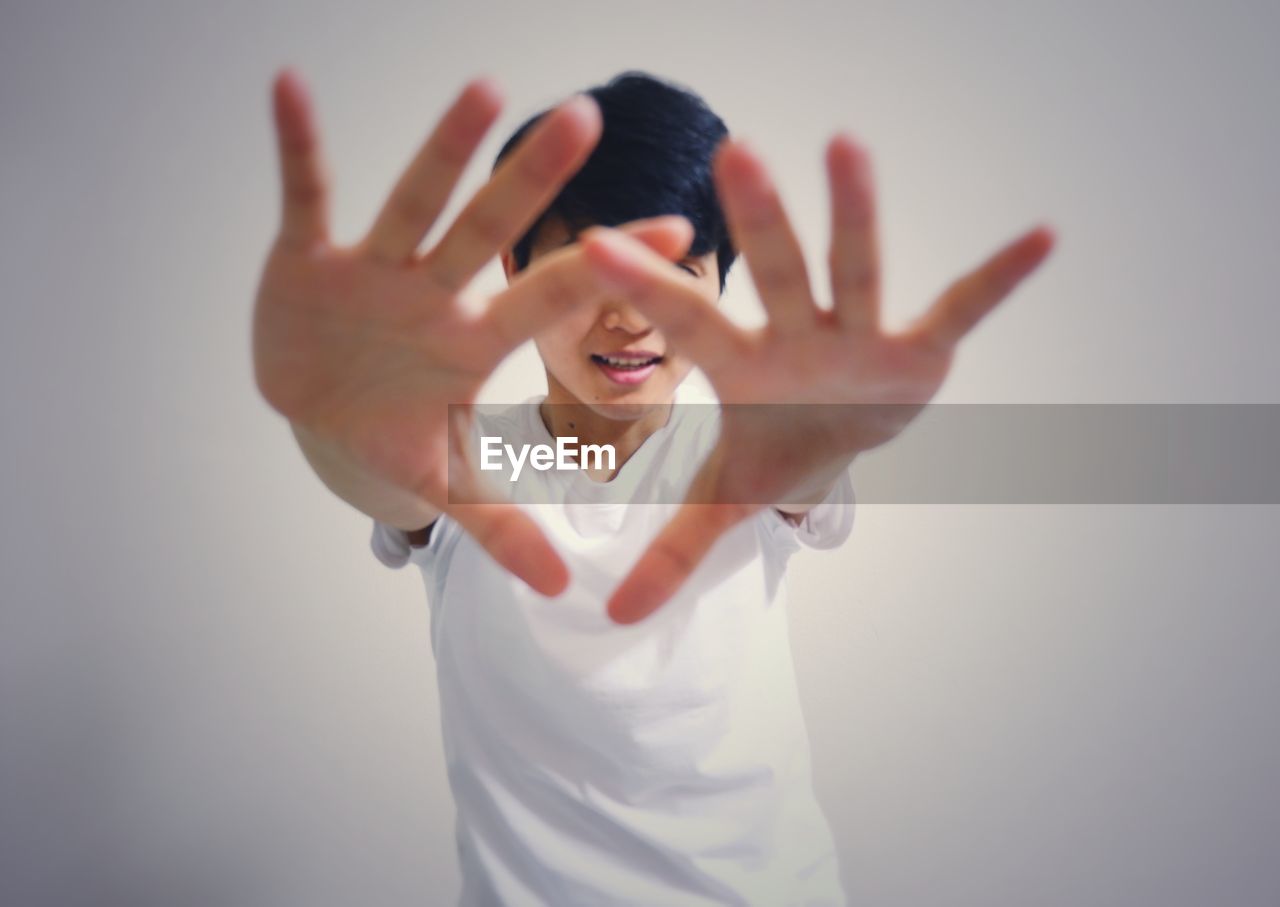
(659,763)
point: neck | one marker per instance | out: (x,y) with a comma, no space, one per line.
(565,416)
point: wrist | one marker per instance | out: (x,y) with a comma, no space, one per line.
(812,492)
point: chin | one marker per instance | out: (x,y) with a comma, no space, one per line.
(622,402)
(628,406)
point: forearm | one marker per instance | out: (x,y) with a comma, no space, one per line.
(364,491)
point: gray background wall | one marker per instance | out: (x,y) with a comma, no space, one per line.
(212,693)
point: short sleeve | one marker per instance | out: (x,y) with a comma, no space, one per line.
(390,545)
(827,524)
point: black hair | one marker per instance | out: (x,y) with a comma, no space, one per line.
(653,157)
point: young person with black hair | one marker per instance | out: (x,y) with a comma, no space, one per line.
(618,701)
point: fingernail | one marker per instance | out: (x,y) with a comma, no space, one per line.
(584,103)
(486,85)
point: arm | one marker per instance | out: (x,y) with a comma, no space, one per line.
(852,384)
(361,488)
(364,348)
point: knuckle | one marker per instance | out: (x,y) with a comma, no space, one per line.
(411,208)
(486,226)
(855,280)
(772,279)
(538,167)
(677,555)
(449,149)
(305,191)
(856,218)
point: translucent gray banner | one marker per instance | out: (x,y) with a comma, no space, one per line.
(947,454)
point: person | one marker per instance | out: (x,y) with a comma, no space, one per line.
(620,717)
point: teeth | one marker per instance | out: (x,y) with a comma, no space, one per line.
(625,363)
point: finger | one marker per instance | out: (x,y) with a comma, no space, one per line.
(971,297)
(304,219)
(514,540)
(669,235)
(763,235)
(523,185)
(854,257)
(672,557)
(564,279)
(500,527)
(425,186)
(693,325)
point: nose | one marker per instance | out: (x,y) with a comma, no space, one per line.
(623,316)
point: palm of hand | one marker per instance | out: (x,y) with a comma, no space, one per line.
(366,347)
(380,377)
(847,385)
(810,402)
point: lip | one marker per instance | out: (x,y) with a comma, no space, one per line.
(632,354)
(628,377)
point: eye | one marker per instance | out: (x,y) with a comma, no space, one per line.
(684,267)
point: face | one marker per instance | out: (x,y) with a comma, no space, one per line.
(608,356)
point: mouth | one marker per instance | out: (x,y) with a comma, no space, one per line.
(627,368)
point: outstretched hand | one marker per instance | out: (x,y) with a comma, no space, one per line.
(366,346)
(831,366)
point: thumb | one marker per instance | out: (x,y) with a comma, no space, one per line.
(670,235)
(499,526)
(514,540)
(672,557)
(679,547)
